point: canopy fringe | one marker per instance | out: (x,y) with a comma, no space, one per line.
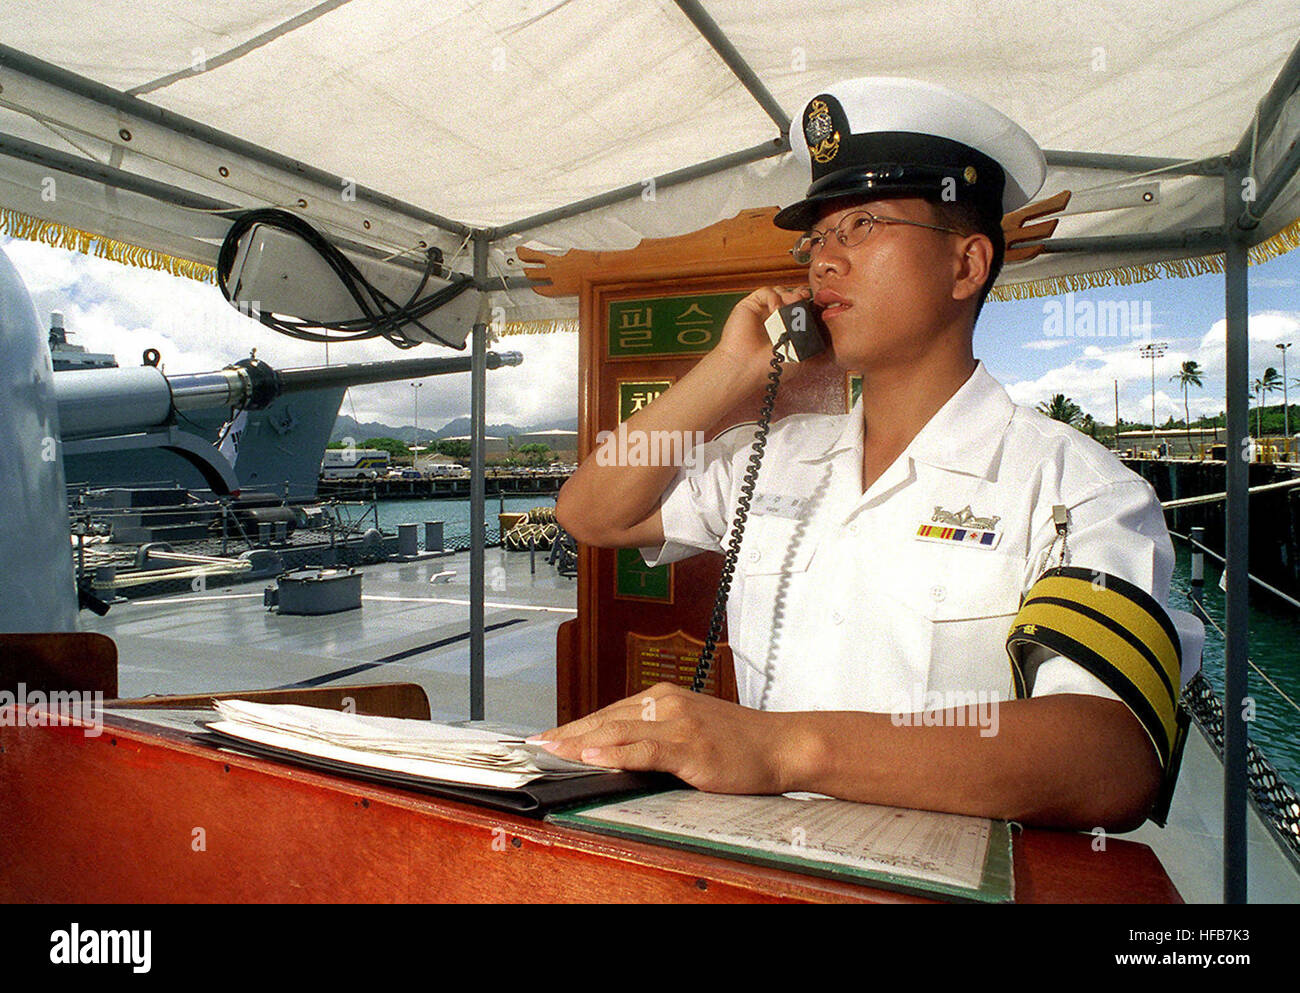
(1279,244)
(566,325)
(19,225)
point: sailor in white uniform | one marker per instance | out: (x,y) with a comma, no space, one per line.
(873,600)
(941,599)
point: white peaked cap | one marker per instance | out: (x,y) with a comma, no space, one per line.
(881,136)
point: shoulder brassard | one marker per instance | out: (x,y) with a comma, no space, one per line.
(1120,634)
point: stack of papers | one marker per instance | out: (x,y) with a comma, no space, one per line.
(393,744)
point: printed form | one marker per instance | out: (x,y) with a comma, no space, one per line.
(948,849)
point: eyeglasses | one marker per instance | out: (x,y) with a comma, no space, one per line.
(852,230)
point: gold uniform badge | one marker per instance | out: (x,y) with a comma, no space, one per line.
(819,131)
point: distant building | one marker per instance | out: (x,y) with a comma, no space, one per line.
(563,443)
(495,445)
(1142,443)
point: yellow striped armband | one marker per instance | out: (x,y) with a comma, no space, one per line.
(1120,634)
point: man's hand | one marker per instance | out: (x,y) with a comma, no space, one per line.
(711,744)
(744,340)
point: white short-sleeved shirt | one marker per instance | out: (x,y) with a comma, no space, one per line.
(838,604)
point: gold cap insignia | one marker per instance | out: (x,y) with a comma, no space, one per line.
(970,175)
(819,132)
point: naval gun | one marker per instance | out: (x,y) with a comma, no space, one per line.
(133,409)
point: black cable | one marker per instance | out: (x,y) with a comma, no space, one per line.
(742,513)
(382,316)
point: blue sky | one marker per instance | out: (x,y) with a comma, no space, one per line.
(114,308)
(1013,340)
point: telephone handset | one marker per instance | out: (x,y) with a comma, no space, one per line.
(797,333)
(801,327)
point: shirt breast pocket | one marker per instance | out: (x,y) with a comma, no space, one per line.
(967,598)
(769,587)
(774,545)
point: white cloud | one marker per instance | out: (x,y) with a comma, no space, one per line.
(1264,330)
(1090,379)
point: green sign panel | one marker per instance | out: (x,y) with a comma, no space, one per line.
(668,325)
(633,578)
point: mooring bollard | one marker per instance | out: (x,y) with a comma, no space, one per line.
(1198,566)
(408,540)
(433,536)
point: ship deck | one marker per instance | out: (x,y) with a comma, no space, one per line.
(412,628)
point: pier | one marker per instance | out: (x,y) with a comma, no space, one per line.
(502,482)
(1274,513)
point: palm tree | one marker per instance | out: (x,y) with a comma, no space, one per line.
(1270,382)
(1063,409)
(1188,375)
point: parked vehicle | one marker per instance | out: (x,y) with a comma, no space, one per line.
(354,463)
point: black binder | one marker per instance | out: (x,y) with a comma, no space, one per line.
(536,799)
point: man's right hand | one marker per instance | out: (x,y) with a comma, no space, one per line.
(744,340)
(611,505)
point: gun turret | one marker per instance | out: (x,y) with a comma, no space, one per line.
(112,409)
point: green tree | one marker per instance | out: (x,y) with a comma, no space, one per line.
(453,449)
(1188,375)
(392,446)
(1270,382)
(1062,408)
(536,453)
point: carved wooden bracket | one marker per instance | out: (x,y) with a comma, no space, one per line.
(1018,232)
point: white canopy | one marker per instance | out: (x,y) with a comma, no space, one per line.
(388,123)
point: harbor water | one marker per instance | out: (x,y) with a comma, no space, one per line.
(1274,627)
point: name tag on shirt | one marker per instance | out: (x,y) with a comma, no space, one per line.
(971,537)
(778,505)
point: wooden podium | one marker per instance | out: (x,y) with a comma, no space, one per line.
(141,813)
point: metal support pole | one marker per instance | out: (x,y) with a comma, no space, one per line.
(1117,415)
(1237,541)
(1286,403)
(727,51)
(1153,351)
(478,447)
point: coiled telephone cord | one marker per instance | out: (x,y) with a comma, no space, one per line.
(742,513)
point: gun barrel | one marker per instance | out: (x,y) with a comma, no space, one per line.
(366,373)
(109,401)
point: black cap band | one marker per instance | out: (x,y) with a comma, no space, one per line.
(891,164)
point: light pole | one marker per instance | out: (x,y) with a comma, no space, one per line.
(1286,419)
(416,448)
(1153,351)
(1117,415)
